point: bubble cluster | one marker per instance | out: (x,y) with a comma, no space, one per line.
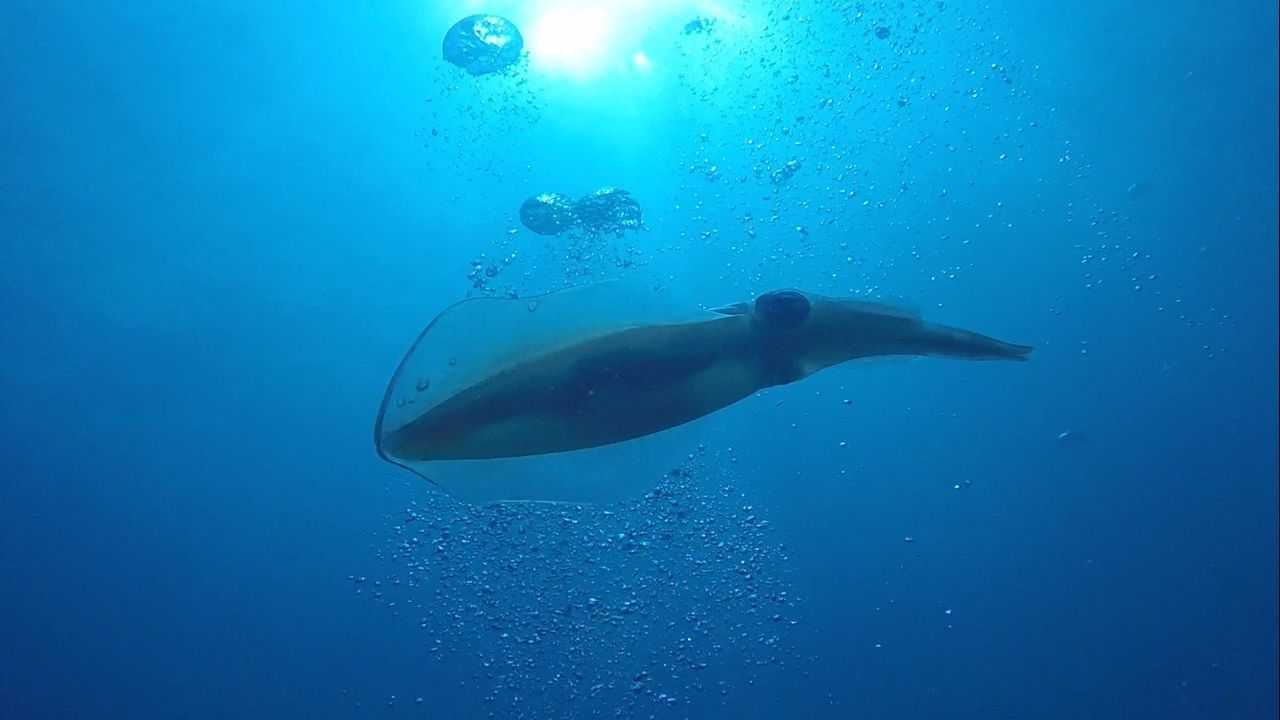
(635,608)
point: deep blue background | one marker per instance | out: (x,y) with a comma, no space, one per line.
(222,223)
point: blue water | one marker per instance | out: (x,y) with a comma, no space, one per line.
(223,223)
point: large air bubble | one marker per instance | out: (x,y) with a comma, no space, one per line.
(483,44)
(608,211)
(548,213)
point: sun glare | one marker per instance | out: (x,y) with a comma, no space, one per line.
(589,38)
(571,38)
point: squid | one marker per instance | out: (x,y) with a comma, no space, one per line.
(495,379)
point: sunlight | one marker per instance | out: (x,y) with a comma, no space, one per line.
(586,39)
(571,38)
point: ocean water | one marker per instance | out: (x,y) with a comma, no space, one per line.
(223,224)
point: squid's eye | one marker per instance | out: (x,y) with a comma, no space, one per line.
(783,308)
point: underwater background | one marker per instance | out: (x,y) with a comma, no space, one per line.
(223,223)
